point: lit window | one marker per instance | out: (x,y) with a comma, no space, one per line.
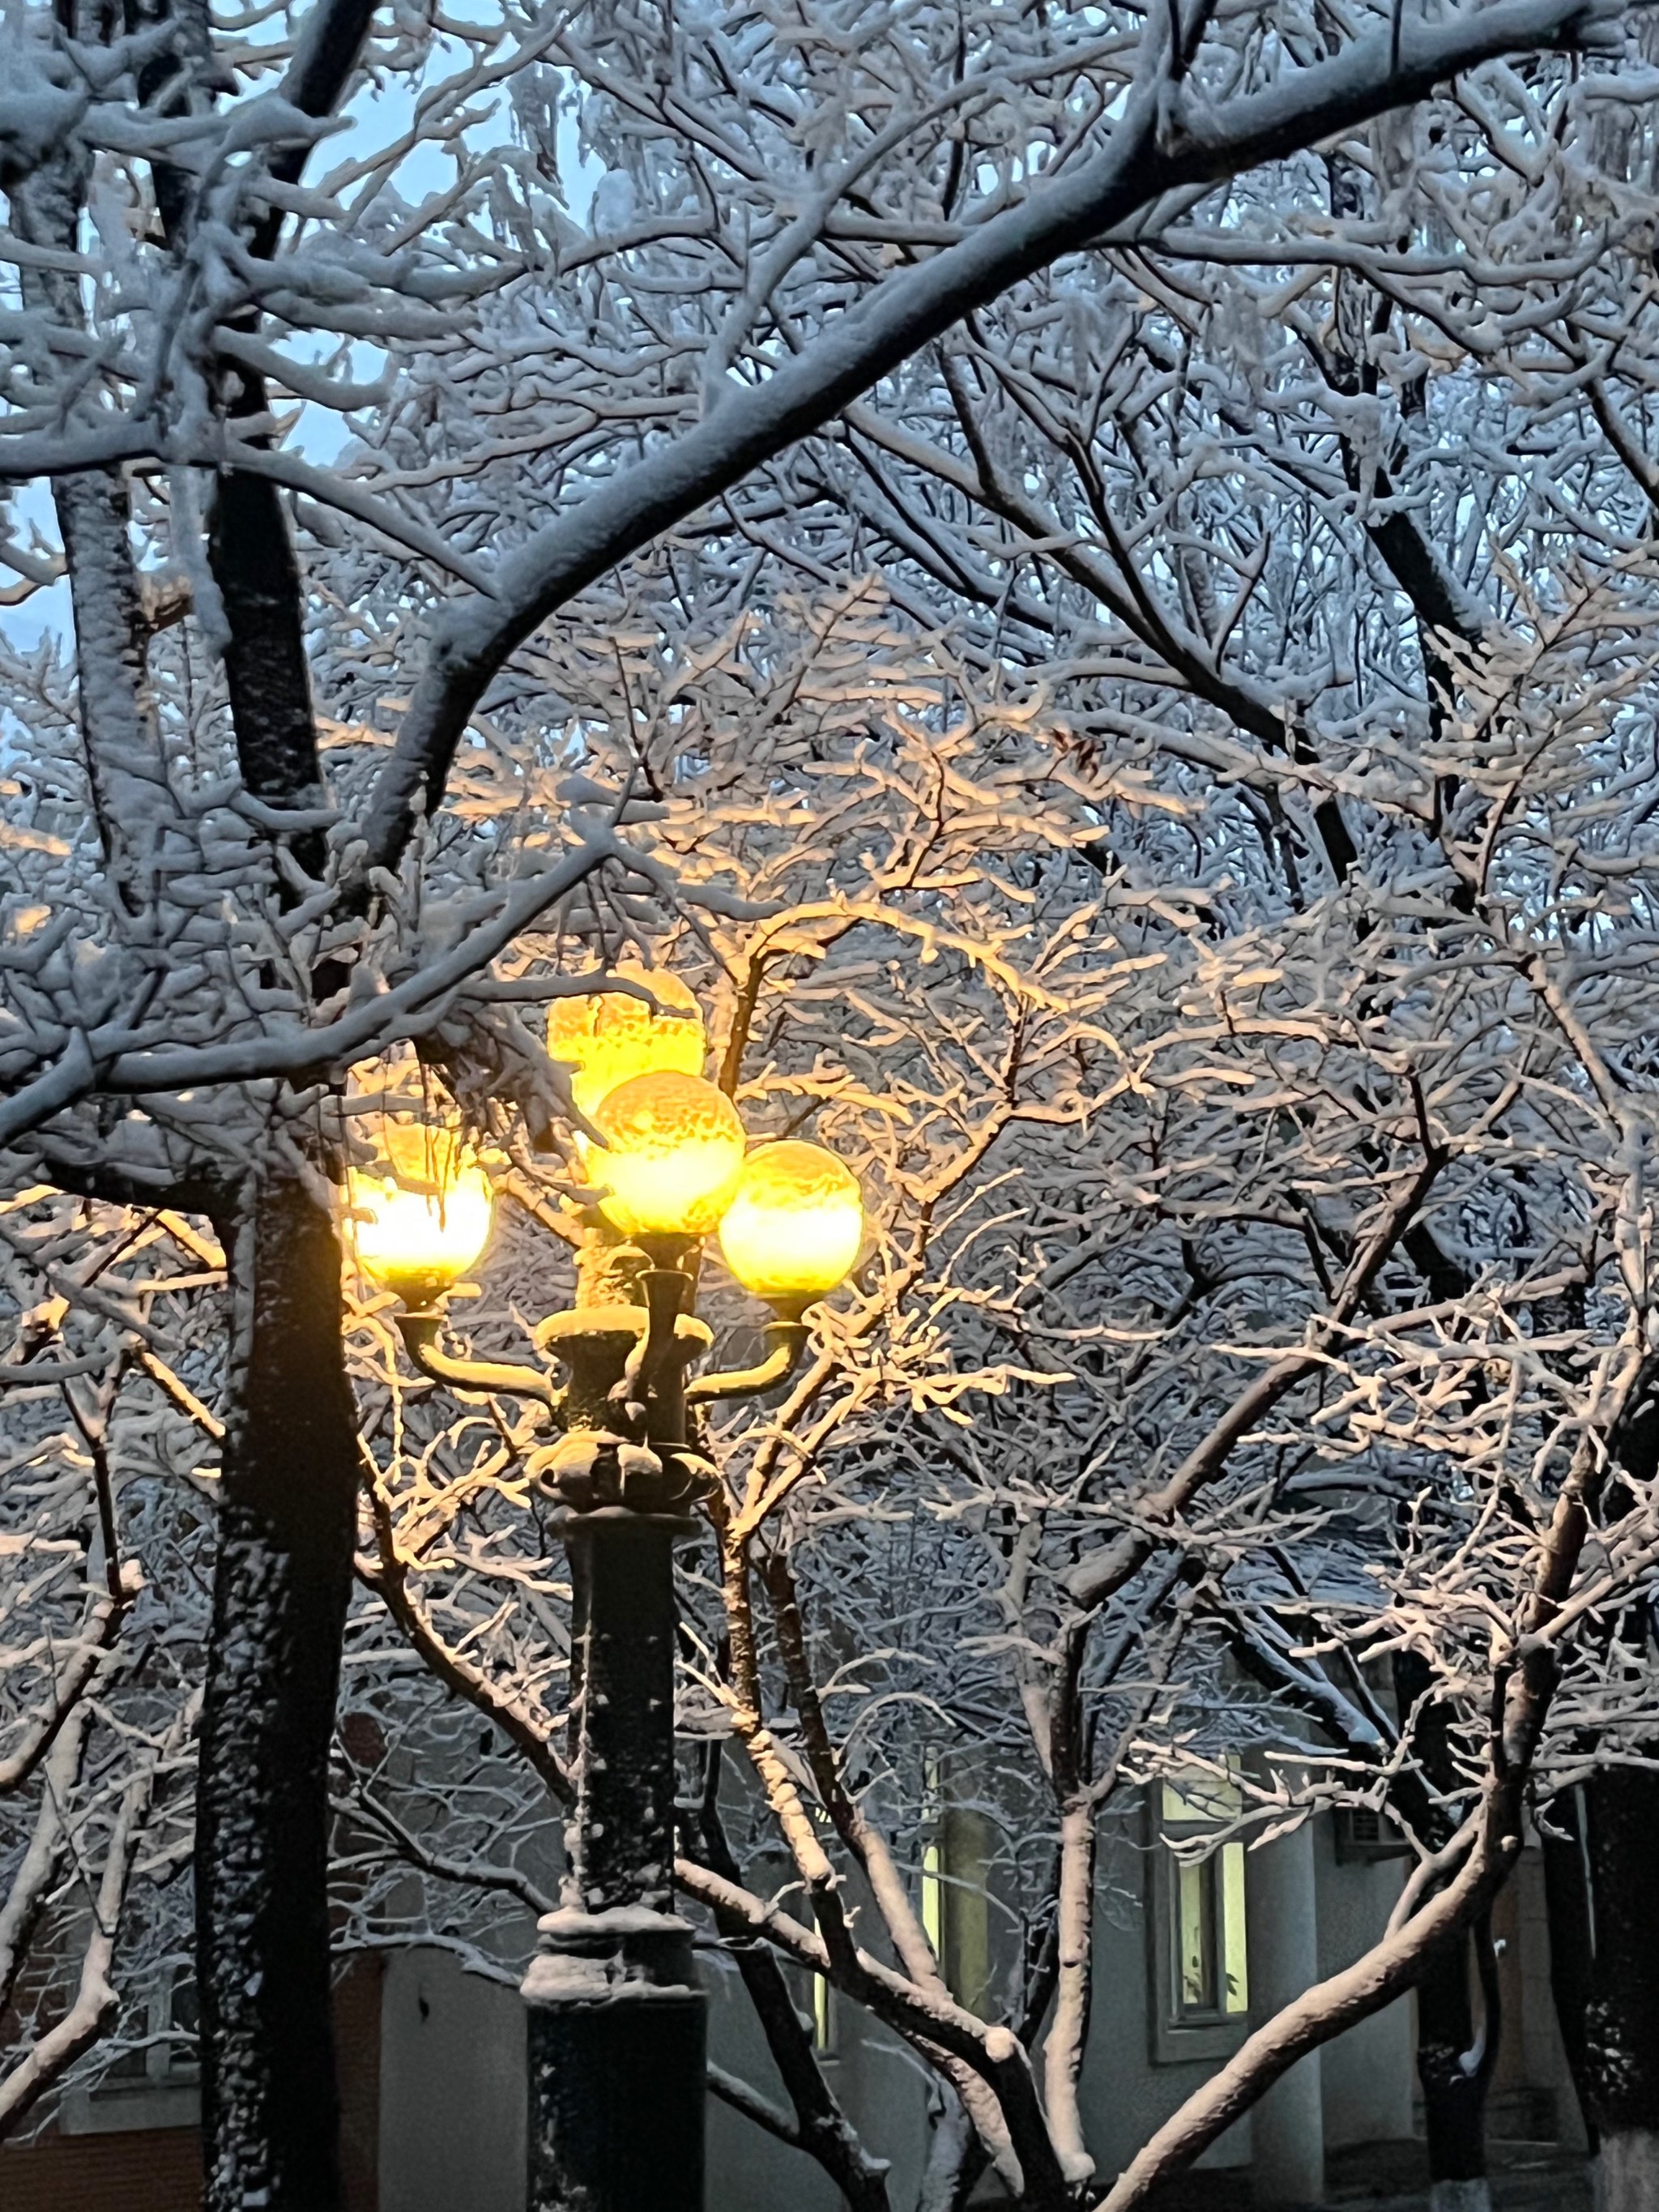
(955,1853)
(933,1855)
(1200,1919)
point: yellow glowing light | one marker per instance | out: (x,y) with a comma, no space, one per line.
(793,1229)
(419,1228)
(609,1038)
(672,1155)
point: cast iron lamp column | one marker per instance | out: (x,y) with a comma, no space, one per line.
(616,2020)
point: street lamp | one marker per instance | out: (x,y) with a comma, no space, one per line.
(421,1220)
(794,1225)
(617,2030)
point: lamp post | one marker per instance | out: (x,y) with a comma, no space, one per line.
(616,2020)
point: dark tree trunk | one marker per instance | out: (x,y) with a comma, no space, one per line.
(286,1524)
(1604,1921)
(1621,2024)
(269,2115)
(271,2107)
(1572,1939)
(257,574)
(1454,2091)
(1604,1944)
(1452,2073)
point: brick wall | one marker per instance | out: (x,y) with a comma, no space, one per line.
(357,2040)
(160,2169)
(157,2171)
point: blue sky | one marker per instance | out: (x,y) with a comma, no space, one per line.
(376,118)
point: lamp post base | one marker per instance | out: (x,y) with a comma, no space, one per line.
(617,2059)
(617,2030)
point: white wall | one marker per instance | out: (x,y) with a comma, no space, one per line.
(453,2088)
(877,2082)
(1366,2077)
(1287,2126)
(1369,2074)
(453,2066)
(453,2097)
(1125,2094)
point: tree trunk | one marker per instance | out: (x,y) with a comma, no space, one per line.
(1452,2072)
(287,1523)
(1572,1940)
(1454,2089)
(1604,1936)
(1619,1807)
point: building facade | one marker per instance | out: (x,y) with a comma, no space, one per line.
(1190,1950)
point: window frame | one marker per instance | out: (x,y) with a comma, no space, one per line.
(1177,2037)
(953,1903)
(166,2094)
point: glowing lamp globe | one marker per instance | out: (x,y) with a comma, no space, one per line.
(795,1224)
(419,1228)
(608,1038)
(673,1152)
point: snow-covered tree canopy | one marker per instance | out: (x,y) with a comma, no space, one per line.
(1269,1290)
(482,310)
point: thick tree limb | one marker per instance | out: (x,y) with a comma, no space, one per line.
(1525,1678)
(113,1059)
(936,2023)
(1161,143)
(1105,1572)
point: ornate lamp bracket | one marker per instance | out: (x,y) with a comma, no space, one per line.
(625,1448)
(785,1342)
(421,1330)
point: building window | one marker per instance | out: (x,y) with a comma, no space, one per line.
(1364,1836)
(1199,1928)
(932,1854)
(955,1916)
(154,2083)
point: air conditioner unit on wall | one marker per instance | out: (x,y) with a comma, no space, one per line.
(1363,1834)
